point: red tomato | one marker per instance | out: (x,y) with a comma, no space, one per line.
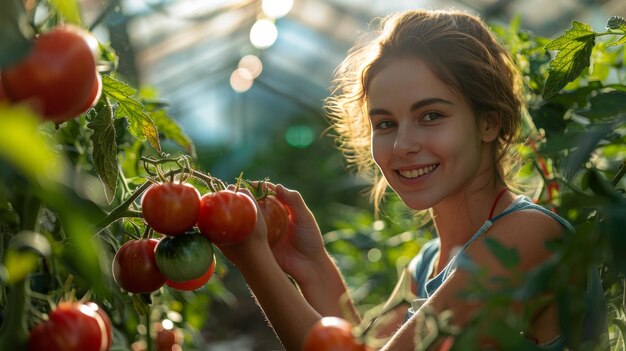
(57,76)
(226,217)
(135,269)
(194,283)
(167,339)
(276,218)
(331,334)
(3,96)
(107,321)
(70,327)
(94,95)
(171,208)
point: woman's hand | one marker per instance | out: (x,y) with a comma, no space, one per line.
(301,250)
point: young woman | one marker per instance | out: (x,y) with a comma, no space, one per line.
(429,108)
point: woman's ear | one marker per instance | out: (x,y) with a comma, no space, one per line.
(489,127)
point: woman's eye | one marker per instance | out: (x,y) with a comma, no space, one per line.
(431,116)
(384,125)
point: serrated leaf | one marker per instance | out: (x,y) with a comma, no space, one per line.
(173,131)
(104,146)
(616,22)
(141,125)
(574,52)
(68,9)
(509,257)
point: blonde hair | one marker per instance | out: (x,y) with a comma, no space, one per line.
(459,49)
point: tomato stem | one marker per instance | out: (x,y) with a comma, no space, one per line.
(14,330)
(620,173)
(148,334)
(123,209)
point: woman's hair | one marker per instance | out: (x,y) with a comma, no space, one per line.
(459,49)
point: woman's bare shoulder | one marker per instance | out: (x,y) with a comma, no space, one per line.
(526,231)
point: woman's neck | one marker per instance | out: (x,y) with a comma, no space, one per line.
(460,216)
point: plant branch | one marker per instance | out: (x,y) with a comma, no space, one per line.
(123,209)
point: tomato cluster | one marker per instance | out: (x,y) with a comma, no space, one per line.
(58,76)
(184,258)
(73,326)
(332,334)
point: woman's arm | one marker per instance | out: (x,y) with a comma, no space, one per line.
(288,312)
(319,280)
(302,255)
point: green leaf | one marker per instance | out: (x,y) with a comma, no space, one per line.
(620,41)
(585,143)
(602,186)
(19,264)
(15,33)
(574,52)
(605,105)
(173,131)
(509,257)
(141,125)
(104,146)
(28,150)
(617,23)
(68,9)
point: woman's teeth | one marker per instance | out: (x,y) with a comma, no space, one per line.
(414,173)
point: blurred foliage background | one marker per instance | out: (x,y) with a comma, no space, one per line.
(181,69)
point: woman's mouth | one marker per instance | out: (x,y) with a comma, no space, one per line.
(418,172)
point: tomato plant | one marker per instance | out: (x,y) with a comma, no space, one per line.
(332,334)
(70,327)
(226,217)
(184,257)
(276,218)
(171,208)
(193,284)
(57,76)
(135,269)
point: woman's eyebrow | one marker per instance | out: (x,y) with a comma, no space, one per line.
(416,106)
(429,101)
(378,111)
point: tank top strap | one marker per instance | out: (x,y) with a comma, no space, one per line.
(519,204)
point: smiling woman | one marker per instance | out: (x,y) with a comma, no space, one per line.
(430,108)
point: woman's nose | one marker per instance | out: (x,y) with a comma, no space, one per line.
(407,141)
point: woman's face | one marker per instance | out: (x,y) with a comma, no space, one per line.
(425,137)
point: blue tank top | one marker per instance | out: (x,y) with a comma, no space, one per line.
(423,265)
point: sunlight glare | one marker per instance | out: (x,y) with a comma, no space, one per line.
(263,34)
(241,80)
(253,64)
(276,8)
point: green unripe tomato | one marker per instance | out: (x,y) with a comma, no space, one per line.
(184,257)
